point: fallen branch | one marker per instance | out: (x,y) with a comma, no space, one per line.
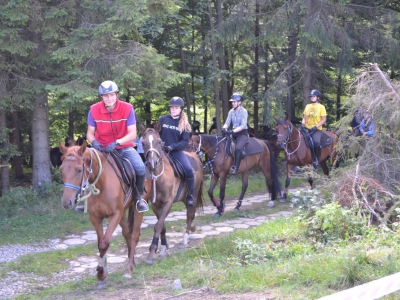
(189,292)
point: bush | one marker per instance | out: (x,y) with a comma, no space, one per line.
(306,201)
(332,222)
(23,201)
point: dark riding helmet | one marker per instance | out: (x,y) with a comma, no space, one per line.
(315,93)
(107,87)
(176,101)
(236,97)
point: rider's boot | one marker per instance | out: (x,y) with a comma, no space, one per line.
(238,158)
(316,154)
(141,204)
(189,197)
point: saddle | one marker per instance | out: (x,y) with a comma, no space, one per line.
(179,171)
(325,141)
(127,171)
(251,147)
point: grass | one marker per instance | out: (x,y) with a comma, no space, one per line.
(288,264)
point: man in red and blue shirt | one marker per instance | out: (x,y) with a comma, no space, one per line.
(112,126)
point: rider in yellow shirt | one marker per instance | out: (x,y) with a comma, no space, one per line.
(314,116)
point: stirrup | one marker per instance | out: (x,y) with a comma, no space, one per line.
(233,171)
(142,206)
(190,200)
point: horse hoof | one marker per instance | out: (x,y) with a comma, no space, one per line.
(127,275)
(236,209)
(217,215)
(150,261)
(282,200)
(271,204)
(101,284)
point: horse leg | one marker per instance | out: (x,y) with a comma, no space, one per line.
(137,219)
(222,184)
(289,170)
(103,244)
(214,180)
(164,243)
(245,184)
(190,214)
(161,214)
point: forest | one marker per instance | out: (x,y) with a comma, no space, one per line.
(55,53)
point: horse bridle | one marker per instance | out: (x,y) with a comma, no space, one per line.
(157,163)
(85,183)
(209,161)
(286,139)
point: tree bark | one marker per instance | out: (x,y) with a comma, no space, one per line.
(256,73)
(16,160)
(5,174)
(215,81)
(185,82)
(221,63)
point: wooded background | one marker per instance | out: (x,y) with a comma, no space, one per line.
(55,53)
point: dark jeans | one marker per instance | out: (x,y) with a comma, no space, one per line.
(181,157)
(241,139)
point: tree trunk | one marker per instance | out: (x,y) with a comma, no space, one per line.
(5,175)
(214,59)
(71,124)
(185,82)
(256,73)
(309,68)
(17,160)
(338,95)
(221,62)
(292,49)
(40,141)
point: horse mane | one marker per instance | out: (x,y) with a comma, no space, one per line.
(212,140)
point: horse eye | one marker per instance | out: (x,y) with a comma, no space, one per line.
(79,171)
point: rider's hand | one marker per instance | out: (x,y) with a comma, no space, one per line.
(229,132)
(96,145)
(302,126)
(223,131)
(111,147)
(167,148)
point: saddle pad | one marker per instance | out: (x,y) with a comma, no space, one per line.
(326,140)
(252,147)
(125,166)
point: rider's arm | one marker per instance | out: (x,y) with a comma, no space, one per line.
(129,137)
(322,122)
(90,133)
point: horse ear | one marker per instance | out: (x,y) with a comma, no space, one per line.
(141,129)
(63,149)
(157,126)
(82,149)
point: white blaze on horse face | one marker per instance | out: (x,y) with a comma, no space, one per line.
(151,141)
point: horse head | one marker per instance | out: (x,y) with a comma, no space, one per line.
(284,129)
(72,171)
(152,146)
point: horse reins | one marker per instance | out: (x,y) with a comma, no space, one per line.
(85,184)
(209,161)
(287,141)
(159,160)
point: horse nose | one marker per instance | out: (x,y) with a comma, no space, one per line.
(67,203)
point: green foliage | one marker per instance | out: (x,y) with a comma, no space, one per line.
(306,201)
(333,223)
(23,201)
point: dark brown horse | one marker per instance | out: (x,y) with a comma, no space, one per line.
(167,189)
(214,147)
(297,153)
(94,173)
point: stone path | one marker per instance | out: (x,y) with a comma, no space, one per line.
(83,266)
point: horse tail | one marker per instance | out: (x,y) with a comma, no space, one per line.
(200,196)
(276,191)
(131,217)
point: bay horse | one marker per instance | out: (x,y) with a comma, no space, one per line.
(95,173)
(168,189)
(292,141)
(214,147)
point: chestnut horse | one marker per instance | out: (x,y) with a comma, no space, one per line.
(95,173)
(214,147)
(167,190)
(297,153)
